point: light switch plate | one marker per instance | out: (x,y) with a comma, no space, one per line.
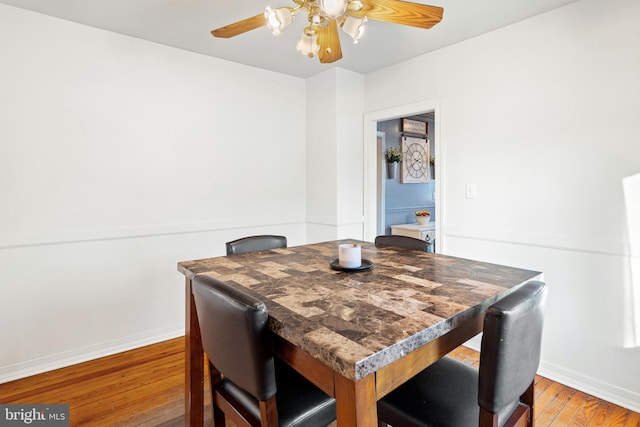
(471,191)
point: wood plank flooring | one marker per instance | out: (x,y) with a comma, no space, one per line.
(144,387)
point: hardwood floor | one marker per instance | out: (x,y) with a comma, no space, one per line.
(557,405)
(144,387)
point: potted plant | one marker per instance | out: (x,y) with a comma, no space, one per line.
(393,156)
(432,164)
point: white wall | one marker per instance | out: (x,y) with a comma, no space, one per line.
(322,152)
(542,117)
(334,155)
(119,158)
(349,111)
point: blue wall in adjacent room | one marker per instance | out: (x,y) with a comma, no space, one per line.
(402,200)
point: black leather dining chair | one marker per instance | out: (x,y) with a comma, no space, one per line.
(402,241)
(499,393)
(249,384)
(255,244)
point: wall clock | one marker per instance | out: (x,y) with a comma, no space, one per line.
(415,163)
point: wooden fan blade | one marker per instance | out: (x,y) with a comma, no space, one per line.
(240,27)
(329,41)
(401,12)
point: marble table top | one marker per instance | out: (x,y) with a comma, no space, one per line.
(359,322)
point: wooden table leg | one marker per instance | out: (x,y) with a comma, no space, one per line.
(356,402)
(194,364)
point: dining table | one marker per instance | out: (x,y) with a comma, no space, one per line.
(356,333)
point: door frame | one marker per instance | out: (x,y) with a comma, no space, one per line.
(372,196)
(381,183)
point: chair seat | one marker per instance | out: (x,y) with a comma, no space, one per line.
(299,404)
(449,391)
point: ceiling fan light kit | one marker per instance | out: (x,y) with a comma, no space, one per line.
(325,16)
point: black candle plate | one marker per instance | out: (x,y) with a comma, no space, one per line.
(366,265)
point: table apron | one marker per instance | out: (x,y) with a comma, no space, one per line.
(389,377)
(308,366)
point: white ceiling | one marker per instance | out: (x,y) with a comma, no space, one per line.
(186,24)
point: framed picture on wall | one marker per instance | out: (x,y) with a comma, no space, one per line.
(415,164)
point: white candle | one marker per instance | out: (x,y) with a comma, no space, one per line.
(349,255)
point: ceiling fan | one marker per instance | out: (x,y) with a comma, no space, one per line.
(325,16)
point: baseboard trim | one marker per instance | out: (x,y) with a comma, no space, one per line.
(614,394)
(72,357)
(610,393)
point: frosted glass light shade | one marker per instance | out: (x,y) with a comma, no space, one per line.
(278,19)
(308,44)
(333,8)
(354,27)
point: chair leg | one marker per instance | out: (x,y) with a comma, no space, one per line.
(218,414)
(528,398)
(269,412)
(218,417)
(519,417)
(522,416)
(487,419)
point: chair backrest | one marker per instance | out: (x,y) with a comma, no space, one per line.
(255,244)
(403,242)
(510,350)
(235,335)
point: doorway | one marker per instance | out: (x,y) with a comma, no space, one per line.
(375,169)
